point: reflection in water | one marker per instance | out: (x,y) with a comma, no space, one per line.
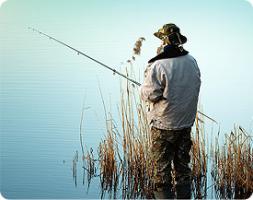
(89,166)
(74,168)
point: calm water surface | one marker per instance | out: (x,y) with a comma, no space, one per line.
(41,102)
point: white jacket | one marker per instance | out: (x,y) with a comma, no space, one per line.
(171,88)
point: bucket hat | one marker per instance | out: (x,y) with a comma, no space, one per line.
(170,34)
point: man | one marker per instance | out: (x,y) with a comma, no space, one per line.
(171,88)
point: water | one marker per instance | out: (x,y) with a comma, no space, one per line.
(41,100)
(40,118)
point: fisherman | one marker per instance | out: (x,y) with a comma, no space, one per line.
(171,89)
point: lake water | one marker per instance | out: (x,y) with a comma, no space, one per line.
(40,117)
(41,102)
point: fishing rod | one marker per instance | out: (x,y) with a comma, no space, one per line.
(87,56)
(104,65)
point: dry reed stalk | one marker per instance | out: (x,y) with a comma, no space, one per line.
(234,174)
(199,159)
(109,171)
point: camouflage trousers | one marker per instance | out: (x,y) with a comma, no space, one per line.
(168,146)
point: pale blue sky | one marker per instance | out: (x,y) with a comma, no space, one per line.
(219,37)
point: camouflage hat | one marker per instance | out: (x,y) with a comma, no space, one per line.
(170,34)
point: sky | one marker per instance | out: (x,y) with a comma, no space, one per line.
(219,37)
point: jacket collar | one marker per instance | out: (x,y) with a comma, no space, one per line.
(169,51)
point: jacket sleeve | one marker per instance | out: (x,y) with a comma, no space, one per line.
(152,87)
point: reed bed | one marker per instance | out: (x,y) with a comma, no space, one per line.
(123,158)
(135,167)
(233,165)
(126,167)
(108,162)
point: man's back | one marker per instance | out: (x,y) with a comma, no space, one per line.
(177,81)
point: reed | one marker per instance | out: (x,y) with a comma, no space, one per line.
(137,166)
(108,163)
(233,165)
(199,159)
